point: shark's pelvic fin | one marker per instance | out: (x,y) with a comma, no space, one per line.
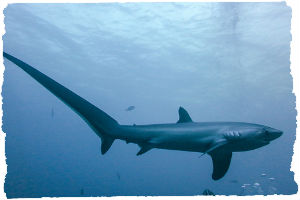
(221,161)
(97,119)
(183,116)
(143,149)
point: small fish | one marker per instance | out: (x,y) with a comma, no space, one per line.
(272,190)
(263,175)
(233,181)
(130,108)
(52,112)
(207,192)
(257,189)
(118,176)
(82,191)
(255,185)
(271,179)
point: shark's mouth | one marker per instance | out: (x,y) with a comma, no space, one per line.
(266,141)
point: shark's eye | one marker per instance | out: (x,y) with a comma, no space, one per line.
(266,134)
(263,131)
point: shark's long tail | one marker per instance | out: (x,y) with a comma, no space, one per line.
(98,120)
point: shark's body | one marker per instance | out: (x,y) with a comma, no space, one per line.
(218,139)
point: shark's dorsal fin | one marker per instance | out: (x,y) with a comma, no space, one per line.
(183,116)
(221,161)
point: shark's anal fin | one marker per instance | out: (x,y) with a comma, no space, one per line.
(183,116)
(221,161)
(106,143)
(143,149)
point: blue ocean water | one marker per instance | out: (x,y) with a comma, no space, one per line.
(220,61)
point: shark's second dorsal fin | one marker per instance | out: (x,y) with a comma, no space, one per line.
(183,116)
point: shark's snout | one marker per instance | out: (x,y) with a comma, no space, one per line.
(272,134)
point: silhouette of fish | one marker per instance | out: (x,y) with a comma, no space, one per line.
(263,175)
(207,192)
(118,176)
(233,181)
(52,113)
(130,108)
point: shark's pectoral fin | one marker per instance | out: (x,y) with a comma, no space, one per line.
(221,161)
(143,149)
(215,145)
(106,143)
(183,116)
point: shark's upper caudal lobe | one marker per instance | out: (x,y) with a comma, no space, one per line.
(217,139)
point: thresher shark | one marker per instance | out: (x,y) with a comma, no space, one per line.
(217,139)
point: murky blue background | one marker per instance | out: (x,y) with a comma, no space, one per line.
(221,61)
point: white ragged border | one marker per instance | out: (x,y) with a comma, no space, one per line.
(3,166)
(295,71)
